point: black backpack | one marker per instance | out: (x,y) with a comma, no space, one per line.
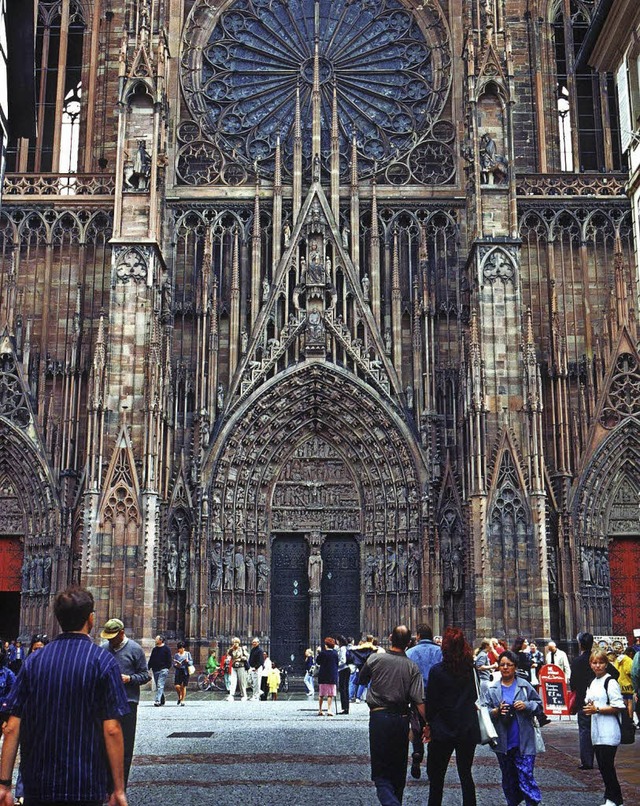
(627,728)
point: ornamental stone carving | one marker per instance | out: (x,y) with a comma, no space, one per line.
(131,265)
(498,266)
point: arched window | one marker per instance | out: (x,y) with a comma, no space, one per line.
(59,44)
(586,102)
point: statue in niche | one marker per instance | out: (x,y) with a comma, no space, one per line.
(366,285)
(584,565)
(183,567)
(606,579)
(287,234)
(592,566)
(266,288)
(244,341)
(387,341)
(391,569)
(346,232)
(447,568)
(456,569)
(493,167)
(250,568)
(316,273)
(240,571)
(46,574)
(379,572)
(137,171)
(409,394)
(39,575)
(216,566)
(413,570)
(25,587)
(403,568)
(552,570)
(315,566)
(262,570)
(600,563)
(370,570)
(315,326)
(227,565)
(32,575)
(220,397)
(172,568)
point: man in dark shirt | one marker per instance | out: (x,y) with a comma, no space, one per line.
(160,661)
(396,682)
(65,709)
(581,677)
(133,670)
(256,662)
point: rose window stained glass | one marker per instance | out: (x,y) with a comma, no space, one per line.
(243,63)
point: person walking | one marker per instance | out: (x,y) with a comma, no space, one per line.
(273,681)
(521,649)
(581,676)
(327,663)
(426,654)
(603,702)
(309,666)
(256,662)
(182,660)
(558,658)
(239,663)
(7,680)
(483,665)
(452,722)
(344,673)
(65,712)
(133,669)
(159,664)
(395,683)
(513,703)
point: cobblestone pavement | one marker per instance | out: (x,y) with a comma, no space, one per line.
(283,753)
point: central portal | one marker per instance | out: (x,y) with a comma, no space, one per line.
(340,601)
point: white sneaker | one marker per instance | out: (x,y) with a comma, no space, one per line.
(230,698)
(609,803)
(243,699)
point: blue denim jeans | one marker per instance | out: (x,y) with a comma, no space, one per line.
(389,747)
(160,678)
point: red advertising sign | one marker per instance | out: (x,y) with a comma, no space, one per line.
(553,690)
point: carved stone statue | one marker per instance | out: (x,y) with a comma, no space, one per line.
(492,165)
(370,570)
(265,289)
(584,564)
(244,341)
(39,585)
(387,341)
(262,569)
(391,569)
(227,564)
(183,567)
(25,575)
(366,284)
(315,326)
(47,563)
(137,171)
(172,568)
(447,568)
(456,569)
(250,566)
(380,567)
(414,568)
(315,566)
(409,394)
(240,571)
(403,566)
(220,397)
(216,566)
(346,232)
(287,234)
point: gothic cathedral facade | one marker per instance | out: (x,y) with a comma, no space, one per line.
(319,316)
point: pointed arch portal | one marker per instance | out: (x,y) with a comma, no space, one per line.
(315,464)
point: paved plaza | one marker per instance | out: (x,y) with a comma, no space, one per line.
(255,754)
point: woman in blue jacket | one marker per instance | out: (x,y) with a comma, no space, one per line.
(513,703)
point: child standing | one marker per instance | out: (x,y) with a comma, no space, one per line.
(273,681)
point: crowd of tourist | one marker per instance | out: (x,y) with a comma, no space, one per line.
(422,693)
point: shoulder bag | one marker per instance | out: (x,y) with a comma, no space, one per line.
(488,732)
(627,728)
(540,748)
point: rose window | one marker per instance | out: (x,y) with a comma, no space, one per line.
(243,64)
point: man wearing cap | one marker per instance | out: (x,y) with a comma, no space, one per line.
(256,662)
(133,670)
(64,712)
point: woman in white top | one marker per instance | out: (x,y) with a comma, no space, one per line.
(603,702)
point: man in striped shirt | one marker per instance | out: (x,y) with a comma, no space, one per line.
(65,709)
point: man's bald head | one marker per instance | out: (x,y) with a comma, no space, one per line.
(400,637)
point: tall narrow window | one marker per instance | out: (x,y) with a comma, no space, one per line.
(59,45)
(586,102)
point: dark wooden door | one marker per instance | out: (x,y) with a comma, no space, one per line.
(624,561)
(289,601)
(341,587)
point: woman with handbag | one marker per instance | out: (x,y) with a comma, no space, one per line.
(513,703)
(451,717)
(602,702)
(182,660)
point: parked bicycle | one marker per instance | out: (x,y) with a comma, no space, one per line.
(285,672)
(212,682)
